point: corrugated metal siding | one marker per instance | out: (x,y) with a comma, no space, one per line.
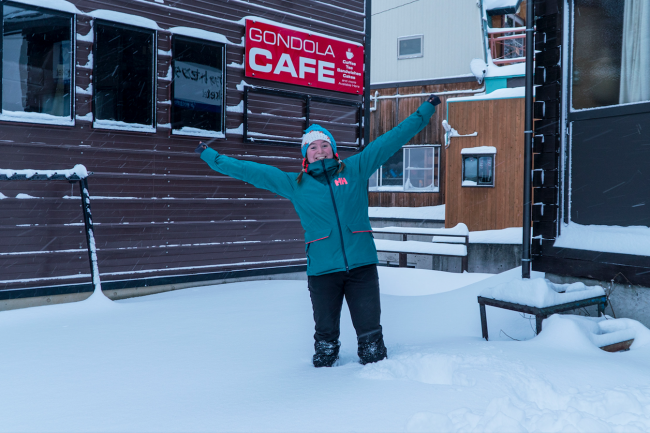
(452,38)
(157,208)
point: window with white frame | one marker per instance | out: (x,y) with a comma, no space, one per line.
(478,166)
(409,47)
(415,168)
(37,58)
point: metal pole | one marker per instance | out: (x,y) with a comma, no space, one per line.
(528,140)
(366,78)
(90,238)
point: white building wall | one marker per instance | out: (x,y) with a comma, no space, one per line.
(452,38)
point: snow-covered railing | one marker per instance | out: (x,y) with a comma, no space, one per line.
(508,45)
(76,174)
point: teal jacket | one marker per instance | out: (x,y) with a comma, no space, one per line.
(333,208)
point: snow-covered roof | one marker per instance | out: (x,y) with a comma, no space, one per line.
(514,92)
(501,7)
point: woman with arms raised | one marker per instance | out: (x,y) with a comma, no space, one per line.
(331,199)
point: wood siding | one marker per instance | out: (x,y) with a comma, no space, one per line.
(499,123)
(158,209)
(392,111)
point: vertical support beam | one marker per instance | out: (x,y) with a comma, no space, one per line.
(402,256)
(538,322)
(90,237)
(484,328)
(366,78)
(245,125)
(307,110)
(528,144)
(465,260)
(601,309)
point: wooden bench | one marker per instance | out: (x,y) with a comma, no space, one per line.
(446,242)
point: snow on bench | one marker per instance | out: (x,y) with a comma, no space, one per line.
(417,247)
(541,298)
(446,242)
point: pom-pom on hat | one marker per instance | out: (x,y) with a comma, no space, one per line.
(313,133)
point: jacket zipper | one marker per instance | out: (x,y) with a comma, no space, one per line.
(336,212)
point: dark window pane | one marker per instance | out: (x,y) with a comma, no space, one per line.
(198,100)
(485,170)
(598,40)
(392,170)
(36,62)
(410,47)
(123,75)
(470,170)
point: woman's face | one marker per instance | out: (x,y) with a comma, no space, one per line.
(319,149)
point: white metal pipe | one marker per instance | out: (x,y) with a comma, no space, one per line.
(419,95)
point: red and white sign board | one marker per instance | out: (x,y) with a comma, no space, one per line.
(297,57)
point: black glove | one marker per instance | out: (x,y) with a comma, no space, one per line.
(201,148)
(434,100)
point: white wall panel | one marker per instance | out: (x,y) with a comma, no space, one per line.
(452,38)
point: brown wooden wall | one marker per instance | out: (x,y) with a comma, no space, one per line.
(158,209)
(392,111)
(499,123)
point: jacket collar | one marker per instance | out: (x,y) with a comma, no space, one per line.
(318,168)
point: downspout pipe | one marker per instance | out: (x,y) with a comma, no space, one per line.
(528,141)
(366,77)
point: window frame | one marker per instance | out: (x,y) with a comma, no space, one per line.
(477,156)
(73,61)
(223,46)
(411,56)
(394,188)
(154,79)
(592,112)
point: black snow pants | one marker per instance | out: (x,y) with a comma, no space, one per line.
(360,287)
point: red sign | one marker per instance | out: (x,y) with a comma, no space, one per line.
(296,57)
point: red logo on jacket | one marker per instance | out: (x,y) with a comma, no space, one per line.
(340,181)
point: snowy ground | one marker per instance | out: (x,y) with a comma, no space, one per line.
(237,358)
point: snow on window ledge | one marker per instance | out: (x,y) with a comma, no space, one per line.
(469,183)
(122,126)
(480,150)
(29,117)
(122,18)
(611,239)
(196,132)
(58,5)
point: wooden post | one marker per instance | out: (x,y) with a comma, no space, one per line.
(402,256)
(484,329)
(465,263)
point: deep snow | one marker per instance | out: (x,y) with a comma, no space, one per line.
(237,357)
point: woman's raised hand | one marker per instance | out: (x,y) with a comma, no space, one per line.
(434,100)
(201,148)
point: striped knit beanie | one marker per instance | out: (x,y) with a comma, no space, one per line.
(313,133)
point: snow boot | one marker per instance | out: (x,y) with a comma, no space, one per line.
(327,352)
(372,351)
